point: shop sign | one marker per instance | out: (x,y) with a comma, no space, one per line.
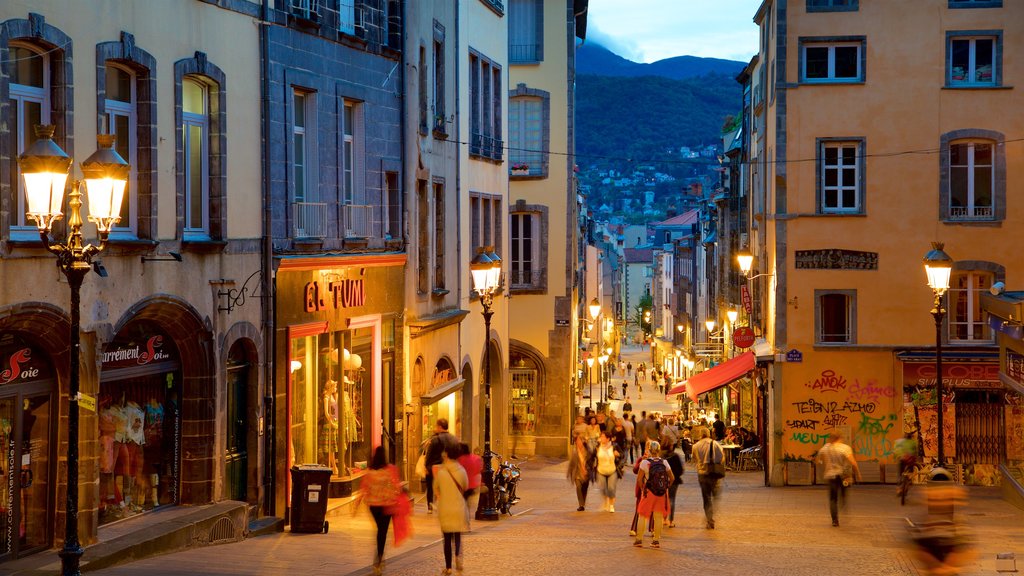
(745,296)
(954,374)
(561,322)
(19,366)
(743,337)
(794,355)
(1015,366)
(121,355)
(336,294)
(835,259)
(442,376)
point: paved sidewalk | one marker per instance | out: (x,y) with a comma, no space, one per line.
(771,531)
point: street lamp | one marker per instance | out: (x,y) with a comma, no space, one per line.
(732,314)
(486,271)
(938,266)
(710,325)
(745,260)
(595,308)
(45,168)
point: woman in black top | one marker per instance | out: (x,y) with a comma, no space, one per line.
(675,462)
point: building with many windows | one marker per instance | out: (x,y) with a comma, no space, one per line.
(542,252)
(844,205)
(170,350)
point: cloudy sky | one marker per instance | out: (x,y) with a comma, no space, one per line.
(650,30)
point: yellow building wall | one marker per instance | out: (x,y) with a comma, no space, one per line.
(901,111)
(230,41)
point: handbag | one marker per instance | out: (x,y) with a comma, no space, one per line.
(421,466)
(713,470)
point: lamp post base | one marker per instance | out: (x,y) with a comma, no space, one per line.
(70,560)
(485,509)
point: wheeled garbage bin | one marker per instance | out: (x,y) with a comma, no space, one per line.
(310,486)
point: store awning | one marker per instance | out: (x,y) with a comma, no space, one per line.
(717,377)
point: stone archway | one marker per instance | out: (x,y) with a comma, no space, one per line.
(194,341)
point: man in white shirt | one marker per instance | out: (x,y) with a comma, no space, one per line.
(837,458)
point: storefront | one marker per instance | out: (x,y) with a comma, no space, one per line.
(973,404)
(27,416)
(336,353)
(1005,309)
(139,415)
(443,400)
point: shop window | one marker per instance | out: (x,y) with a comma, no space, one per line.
(330,400)
(444,399)
(523,387)
(139,423)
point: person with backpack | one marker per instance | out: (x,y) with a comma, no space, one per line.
(656,477)
(709,457)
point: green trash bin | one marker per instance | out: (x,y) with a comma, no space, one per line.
(310,486)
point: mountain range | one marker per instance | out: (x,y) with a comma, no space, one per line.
(627,109)
(596,59)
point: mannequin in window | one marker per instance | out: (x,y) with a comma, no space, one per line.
(136,440)
(329,425)
(108,492)
(121,454)
(153,451)
(349,430)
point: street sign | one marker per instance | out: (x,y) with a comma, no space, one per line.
(561,322)
(745,295)
(743,337)
(794,355)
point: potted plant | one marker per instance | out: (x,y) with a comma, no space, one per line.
(520,169)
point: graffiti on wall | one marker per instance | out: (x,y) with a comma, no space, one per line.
(862,409)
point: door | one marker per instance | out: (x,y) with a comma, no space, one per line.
(25,494)
(236,459)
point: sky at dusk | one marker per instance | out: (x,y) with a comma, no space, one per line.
(651,30)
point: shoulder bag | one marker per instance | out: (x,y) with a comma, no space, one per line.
(712,469)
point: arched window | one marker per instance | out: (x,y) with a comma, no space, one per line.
(122,122)
(195,113)
(30,106)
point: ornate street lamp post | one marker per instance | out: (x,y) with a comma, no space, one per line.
(938,266)
(590,379)
(45,169)
(486,271)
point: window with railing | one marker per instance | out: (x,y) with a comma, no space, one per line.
(528,247)
(485,108)
(306,9)
(309,219)
(971,178)
(525,31)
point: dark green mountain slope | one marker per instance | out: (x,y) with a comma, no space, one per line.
(645,117)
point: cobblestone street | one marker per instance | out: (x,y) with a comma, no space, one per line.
(770,531)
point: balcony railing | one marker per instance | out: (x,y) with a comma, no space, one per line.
(970,212)
(309,219)
(523,52)
(362,221)
(487,146)
(526,278)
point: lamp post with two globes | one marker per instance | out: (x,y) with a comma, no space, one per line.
(45,168)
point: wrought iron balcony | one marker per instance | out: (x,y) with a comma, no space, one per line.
(309,219)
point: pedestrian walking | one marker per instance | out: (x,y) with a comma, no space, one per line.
(655,477)
(450,483)
(840,471)
(624,386)
(435,447)
(381,491)
(628,426)
(627,406)
(675,462)
(473,464)
(579,472)
(634,527)
(607,471)
(629,368)
(710,460)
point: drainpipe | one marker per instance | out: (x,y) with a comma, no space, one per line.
(269,300)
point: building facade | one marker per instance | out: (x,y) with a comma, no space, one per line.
(842,212)
(170,350)
(333,126)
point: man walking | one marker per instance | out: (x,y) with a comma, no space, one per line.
(705,453)
(436,446)
(840,468)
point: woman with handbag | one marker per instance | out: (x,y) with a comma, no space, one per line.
(381,490)
(450,484)
(709,457)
